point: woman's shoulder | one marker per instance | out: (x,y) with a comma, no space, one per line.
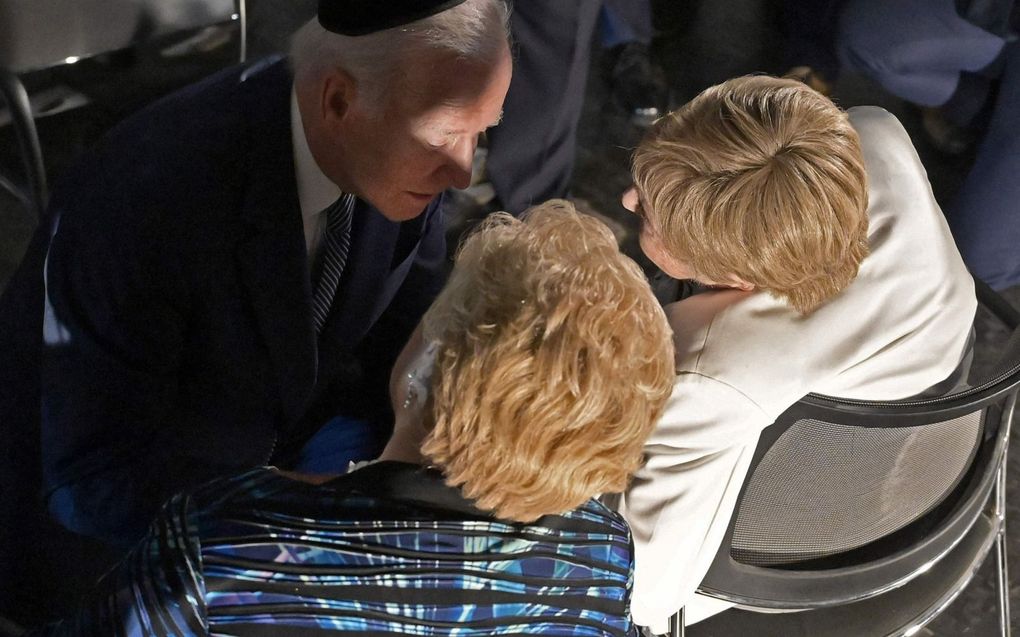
(595,518)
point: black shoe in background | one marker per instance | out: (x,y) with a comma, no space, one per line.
(637,83)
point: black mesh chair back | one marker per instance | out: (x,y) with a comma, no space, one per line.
(825,488)
(847,500)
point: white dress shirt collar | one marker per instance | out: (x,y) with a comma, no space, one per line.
(315,190)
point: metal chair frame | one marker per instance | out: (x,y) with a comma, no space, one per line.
(12,91)
(755,587)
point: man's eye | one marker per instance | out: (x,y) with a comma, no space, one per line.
(442,141)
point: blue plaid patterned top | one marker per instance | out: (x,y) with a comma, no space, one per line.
(386,549)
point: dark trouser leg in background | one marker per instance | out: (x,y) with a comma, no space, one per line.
(985,216)
(624,21)
(531,153)
(916,49)
(919,50)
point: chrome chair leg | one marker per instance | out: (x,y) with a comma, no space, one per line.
(13,92)
(1001,555)
(677,624)
(242,25)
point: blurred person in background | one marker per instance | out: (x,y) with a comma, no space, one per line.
(531,155)
(960,61)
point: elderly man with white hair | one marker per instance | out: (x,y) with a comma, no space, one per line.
(241,261)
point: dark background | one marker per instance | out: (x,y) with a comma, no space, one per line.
(698,44)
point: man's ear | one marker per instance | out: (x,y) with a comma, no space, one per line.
(337,94)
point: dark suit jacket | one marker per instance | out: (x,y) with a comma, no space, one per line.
(178,338)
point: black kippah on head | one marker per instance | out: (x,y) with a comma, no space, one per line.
(361,17)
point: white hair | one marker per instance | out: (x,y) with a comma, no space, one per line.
(474,29)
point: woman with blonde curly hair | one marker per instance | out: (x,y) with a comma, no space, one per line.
(544,384)
(530,387)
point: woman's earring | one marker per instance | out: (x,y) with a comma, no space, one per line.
(411,397)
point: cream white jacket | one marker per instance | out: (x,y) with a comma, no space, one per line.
(743,358)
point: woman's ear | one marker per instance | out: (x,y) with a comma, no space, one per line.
(740,284)
(398,375)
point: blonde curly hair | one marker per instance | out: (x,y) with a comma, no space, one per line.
(554,362)
(761,178)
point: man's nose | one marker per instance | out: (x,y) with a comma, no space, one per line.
(629,200)
(459,162)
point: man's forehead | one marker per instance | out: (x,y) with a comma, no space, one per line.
(445,85)
(448,76)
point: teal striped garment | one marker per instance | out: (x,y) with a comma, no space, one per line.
(386,549)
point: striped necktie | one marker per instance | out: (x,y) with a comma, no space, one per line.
(336,243)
